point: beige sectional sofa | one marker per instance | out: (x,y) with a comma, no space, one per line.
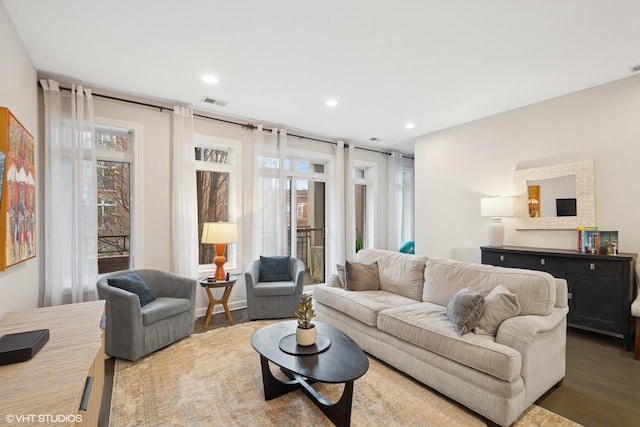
(404,324)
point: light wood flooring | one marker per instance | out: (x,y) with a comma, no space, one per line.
(601,387)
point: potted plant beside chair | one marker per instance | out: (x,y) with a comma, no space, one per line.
(306,333)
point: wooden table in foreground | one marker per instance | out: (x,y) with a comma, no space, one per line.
(342,362)
(49,389)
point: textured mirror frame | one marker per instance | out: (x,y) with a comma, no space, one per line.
(585,195)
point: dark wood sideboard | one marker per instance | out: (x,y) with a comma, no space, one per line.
(601,287)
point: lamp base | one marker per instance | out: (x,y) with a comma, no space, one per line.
(220,260)
(496,232)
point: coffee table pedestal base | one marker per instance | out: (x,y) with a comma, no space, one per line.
(339,413)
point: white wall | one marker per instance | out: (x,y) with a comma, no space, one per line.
(457,166)
(20,285)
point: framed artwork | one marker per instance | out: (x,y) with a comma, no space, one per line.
(534,201)
(17,192)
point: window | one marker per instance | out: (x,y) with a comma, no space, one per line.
(217,186)
(363,180)
(407,205)
(115,159)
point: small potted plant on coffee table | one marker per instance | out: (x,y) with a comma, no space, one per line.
(306,333)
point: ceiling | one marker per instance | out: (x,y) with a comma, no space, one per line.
(433,63)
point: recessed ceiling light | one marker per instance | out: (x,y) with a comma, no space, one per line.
(409,125)
(332,103)
(209,78)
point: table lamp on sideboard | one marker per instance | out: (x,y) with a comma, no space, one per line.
(496,208)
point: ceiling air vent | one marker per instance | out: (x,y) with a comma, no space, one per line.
(635,68)
(213,101)
(374,139)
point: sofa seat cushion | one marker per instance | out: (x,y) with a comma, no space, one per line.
(363,305)
(271,289)
(399,273)
(162,308)
(536,290)
(426,325)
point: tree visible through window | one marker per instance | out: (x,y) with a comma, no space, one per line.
(212,188)
(113,191)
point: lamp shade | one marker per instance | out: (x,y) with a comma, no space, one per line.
(219,232)
(496,206)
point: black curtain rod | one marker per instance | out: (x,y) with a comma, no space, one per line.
(249,126)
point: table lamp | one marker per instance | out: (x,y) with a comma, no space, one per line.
(219,234)
(496,208)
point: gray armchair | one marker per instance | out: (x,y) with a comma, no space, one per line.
(133,331)
(273,300)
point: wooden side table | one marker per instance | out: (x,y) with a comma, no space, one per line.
(228,286)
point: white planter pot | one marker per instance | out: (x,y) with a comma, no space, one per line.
(306,337)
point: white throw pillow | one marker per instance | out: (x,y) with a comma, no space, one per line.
(499,305)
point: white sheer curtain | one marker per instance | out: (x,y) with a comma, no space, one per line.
(335,228)
(350,206)
(394,201)
(184,215)
(269,197)
(71,234)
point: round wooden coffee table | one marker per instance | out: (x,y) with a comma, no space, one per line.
(342,362)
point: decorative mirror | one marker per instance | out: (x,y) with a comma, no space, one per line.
(560,197)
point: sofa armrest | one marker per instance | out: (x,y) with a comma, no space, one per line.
(296,272)
(252,276)
(520,331)
(124,320)
(561,293)
(542,344)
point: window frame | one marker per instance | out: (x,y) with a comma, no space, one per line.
(370,183)
(234,169)
(408,200)
(136,178)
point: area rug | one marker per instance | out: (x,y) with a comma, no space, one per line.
(214,379)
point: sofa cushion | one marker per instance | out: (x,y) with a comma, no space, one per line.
(133,283)
(464,310)
(363,306)
(270,289)
(361,277)
(425,325)
(274,268)
(162,308)
(499,305)
(399,273)
(536,290)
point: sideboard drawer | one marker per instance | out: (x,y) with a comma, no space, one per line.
(597,268)
(501,259)
(544,263)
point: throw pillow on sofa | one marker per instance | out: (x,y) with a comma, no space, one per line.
(464,310)
(499,305)
(342,274)
(361,277)
(132,282)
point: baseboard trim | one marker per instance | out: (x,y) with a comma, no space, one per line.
(236,305)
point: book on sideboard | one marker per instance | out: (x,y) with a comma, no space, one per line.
(593,241)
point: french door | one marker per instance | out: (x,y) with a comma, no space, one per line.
(306,224)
